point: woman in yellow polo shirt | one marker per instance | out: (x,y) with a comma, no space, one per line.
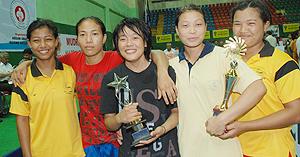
(44,105)
(265,130)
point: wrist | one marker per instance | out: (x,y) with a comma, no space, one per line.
(118,119)
(164,129)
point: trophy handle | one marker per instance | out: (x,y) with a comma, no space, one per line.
(230,80)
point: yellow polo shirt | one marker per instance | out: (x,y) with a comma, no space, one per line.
(281,77)
(50,105)
(200,87)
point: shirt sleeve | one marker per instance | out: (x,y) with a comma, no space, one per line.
(172,74)
(287,82)
(68,58)
(109,103)
(246,76)
(19,102)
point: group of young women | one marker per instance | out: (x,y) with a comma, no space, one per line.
(266,96)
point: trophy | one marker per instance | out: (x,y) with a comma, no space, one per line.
(235,47)
(124,96)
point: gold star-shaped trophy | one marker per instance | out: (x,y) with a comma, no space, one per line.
(235,47)
(124,96)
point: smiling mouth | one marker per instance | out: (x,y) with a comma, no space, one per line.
(43,51)
(130,51)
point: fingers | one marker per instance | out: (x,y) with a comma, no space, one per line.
(159,94)
(119,137)
(145,142)
(164,94)
(170,95)
(130,113)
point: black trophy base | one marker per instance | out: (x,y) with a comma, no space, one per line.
(140,135)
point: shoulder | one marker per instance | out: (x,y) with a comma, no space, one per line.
(117,70)
(113,56)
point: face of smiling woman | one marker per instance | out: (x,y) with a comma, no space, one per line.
(248,25)
(43,43)
(131,45)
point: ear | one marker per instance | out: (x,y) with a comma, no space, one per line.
(176,29)
(104,39)
(145,43)
(56,42)
(266,26)
(29,44)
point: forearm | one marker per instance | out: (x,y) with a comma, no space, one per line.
(172,121)
(284,118)
(24,134)
(161,60)
(112,122)
(250,97)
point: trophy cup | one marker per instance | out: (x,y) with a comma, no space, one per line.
(235,47)
(124,96)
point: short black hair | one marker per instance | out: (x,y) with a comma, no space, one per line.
(39,23)
(189,7)
(97,20)
(139,27)
(262,8)
(27,51)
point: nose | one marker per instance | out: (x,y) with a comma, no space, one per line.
(43,43)
(89,38)
(129,42)
(242,28)
(192,29)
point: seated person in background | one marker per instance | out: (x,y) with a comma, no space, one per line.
(27,55)
(271,39)
(5,72)
(170,52)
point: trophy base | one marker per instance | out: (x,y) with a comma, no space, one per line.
(140,135)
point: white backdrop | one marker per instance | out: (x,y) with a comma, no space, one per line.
(16,15)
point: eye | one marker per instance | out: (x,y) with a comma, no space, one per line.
(35,40)
(95,33)
(136,37)
(81,34)
(49,39)
(236,24)
(122,39)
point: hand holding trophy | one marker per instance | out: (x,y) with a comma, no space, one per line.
(235,47)
(124,96)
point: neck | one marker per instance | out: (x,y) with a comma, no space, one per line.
(91,60)
(193,53)
(46,66)
(137,66)
(251,51)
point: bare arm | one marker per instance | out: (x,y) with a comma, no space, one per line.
(19,73)
(24,134)
(169,124)
(250,97)
(284,118)
(166,87)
